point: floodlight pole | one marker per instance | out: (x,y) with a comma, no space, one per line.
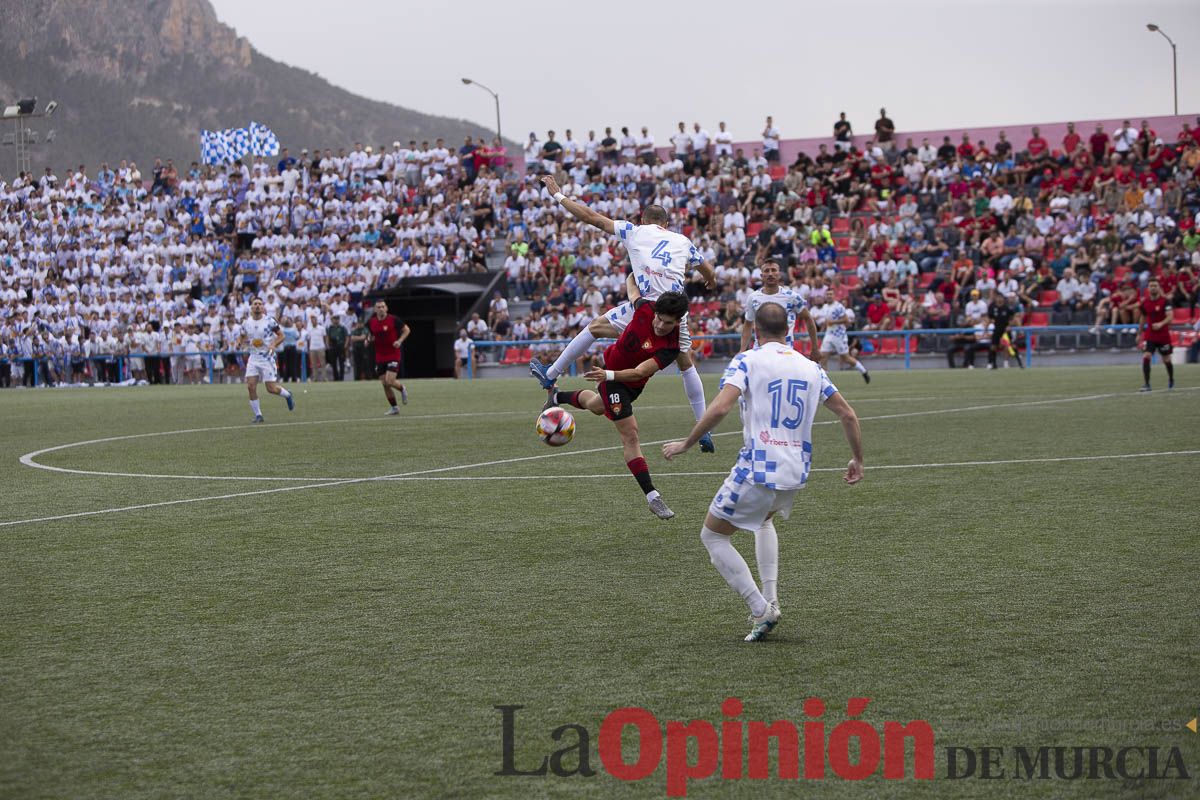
(495,96)
(1174,62)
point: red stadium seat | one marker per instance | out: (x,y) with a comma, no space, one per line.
(753,228)
(1182,316)
(850,280)
(849,261)
(1048,297)
(926,279)
(512,355)
(1038,319)
(890,346)
(841,225)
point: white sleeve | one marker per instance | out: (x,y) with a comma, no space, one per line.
(623,229)
(827,388)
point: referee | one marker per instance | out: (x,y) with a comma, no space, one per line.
(1000,313)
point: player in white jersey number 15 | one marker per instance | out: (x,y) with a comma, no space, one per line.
(263,335)
(658,260)
(779,391)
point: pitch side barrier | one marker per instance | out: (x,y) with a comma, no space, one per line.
(877,343)
(116,368)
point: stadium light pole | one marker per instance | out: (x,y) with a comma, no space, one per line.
(1174,61)
(496,97)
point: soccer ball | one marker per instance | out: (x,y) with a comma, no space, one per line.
(555,427)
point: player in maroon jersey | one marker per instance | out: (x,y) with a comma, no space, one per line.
(649,343)
(1156,332)
(388,333)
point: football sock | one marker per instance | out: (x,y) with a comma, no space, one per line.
(858,365)
(695,390)
(733,569)
(568,399)
(1170,370)
(1146,370)
(255,408)
(642,473)
(392,401)
(766,553)
(578,346)
(284,393)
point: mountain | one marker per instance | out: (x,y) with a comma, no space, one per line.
(138,79)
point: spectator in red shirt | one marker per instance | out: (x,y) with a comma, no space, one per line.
(966,149)
(1071,141)
(1037,147)
(878,315)
(1100,143)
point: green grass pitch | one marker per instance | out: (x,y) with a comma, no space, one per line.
(349,637)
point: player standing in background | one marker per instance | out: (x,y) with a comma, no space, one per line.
(1000,314)
(263,334)
(387,333)
(834,317)
(1156,332)
(788,299)
(649,342)
(779,391)
(658,260)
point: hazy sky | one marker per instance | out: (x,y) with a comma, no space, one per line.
(587,65)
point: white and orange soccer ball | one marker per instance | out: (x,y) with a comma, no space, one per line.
(555,426)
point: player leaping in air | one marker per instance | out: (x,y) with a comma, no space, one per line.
(263,334)
(658,260)
(649,342)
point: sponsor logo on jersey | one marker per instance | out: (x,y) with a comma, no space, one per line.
(646,345)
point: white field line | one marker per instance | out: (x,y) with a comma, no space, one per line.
(30,459)
(423,477)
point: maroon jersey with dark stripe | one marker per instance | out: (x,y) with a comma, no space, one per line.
(385,332)
(639,342)
(1153,312)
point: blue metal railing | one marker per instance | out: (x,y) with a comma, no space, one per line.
(1025,332)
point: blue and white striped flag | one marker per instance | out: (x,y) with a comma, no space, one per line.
(212,147)
(237,142)
(263,141)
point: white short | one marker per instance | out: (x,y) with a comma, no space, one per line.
(746,505)
(835,344)
(620,315)
(263,368)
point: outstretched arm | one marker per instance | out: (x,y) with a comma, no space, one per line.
(838,405)
(639,373)
(577,209)
(721,405)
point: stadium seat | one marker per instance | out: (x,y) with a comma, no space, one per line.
(753,228)
(890,346)
(850,280)
(1048,297)
(1038,319)
(1120,273)
(841,225)
(1182,316)
(849,261)
(512,355)
(926,279)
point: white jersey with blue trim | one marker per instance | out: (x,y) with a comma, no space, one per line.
(787,297)
(837,317)
(781,391)
(261,334)
(658,257)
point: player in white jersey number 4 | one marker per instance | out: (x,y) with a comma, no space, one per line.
(779,391)
(658,260)
(263,335)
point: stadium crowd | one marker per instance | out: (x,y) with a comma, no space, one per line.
(911,235)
